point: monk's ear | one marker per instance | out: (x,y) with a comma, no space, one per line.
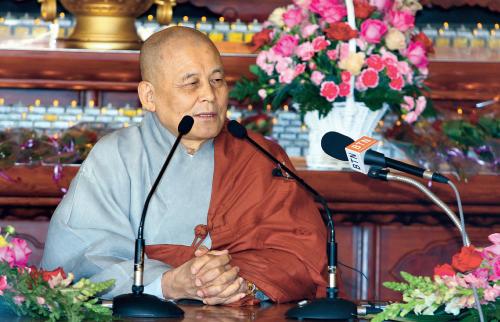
(146,92)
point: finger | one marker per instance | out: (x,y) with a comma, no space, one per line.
(218,275)
(229,290)
(213,262)
(199,262)
(230,281)
(202,250)
(217,300)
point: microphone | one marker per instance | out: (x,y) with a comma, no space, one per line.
(330,307)
(138,304)
(357,152)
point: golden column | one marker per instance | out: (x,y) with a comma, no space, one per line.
(106,24)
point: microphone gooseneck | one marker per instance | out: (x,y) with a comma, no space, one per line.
(330,307)
(138,304)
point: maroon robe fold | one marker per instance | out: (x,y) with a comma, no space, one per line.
(270,225)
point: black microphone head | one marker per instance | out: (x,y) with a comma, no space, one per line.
(185,125)
(236,129)
(334,144)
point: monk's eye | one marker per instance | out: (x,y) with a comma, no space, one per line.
(192,83)
(217,81)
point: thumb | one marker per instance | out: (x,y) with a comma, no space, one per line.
(202,250)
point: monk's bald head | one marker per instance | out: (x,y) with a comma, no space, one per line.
(156,48)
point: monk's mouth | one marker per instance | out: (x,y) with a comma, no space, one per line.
(206,116)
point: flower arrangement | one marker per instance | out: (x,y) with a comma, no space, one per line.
(306,58)
(48,295)
(448,294)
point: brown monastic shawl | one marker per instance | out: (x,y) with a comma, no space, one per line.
(270,225)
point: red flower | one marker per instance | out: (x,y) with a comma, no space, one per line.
(375,62)
(444,270)
(46,275)
(363,10)
(392,72)
(344,89)
(261,38)
(329,90)
(340,31)
(467,260)
(425,41)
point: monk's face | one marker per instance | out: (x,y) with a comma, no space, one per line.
(191,82)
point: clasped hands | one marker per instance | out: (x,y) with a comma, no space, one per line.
(208,277)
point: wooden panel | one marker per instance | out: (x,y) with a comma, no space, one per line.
(493,5)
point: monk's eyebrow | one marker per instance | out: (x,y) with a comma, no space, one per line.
(218,70)
(188,76)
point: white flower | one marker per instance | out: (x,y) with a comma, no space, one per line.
(453,306)
(276,17)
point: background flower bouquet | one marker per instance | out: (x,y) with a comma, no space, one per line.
(48,295)
(448,295)
(306,57)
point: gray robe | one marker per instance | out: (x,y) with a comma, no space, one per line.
(93,230)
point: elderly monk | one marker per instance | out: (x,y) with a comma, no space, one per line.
(220,227)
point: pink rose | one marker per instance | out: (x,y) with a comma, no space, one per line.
(344,89)
(375,62)
(293,17)
(305,51)
(320,43)
(332,54)
(372,30)
(21,251)
(369,78)
(308,30)
(287,76)
(416,54)
(286,45)
(299,69)
(382,5)
(262,93)
(329,90)
(409,103)
(334,13)
(3,283)
(401,20)
(317,77)
(397,83)
(7,255)
(494,238)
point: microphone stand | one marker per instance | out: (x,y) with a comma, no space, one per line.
(138,304)
(384,174)
(331,307)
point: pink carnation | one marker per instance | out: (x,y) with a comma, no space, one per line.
(416,54)
(402,20)
(382,5)
(495,276)
(286,45)
(262,93)
(392,71)
(308,30)
(263,62)
(299,69)
(491,293)
(320,43)
(372,30)
(329,90)
(411,117)
(287,76)
(389,58)
(317,77)
(369,78)
(334,13)
(293,17)
(21,251)
(19,299)
(409,103)
(345,76)
(397,83)
(3,283)
(305,51)
(344,89)
(332,54)
(375,62)
(343,51)
(420,104)
(7,255)
(494,238)
(476,281)
(283,63)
